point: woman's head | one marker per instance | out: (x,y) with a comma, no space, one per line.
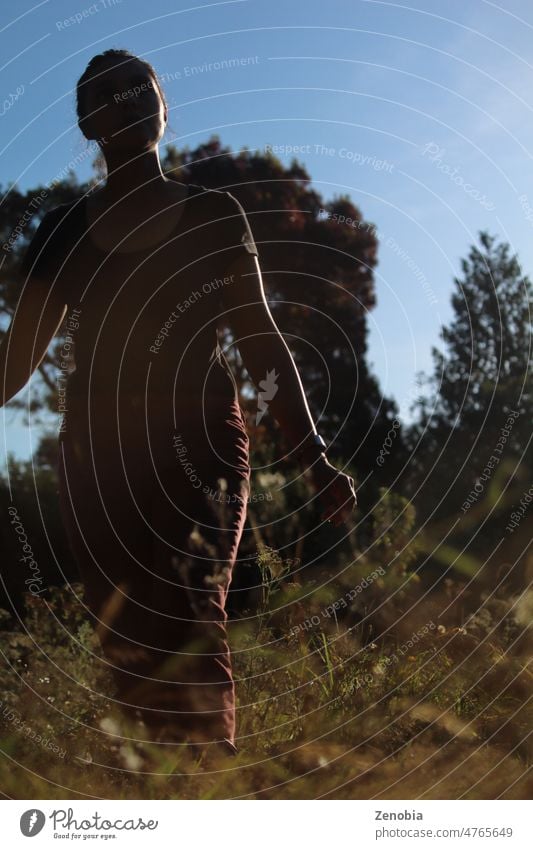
(120,99)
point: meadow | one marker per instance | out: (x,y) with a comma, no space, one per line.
(352,684)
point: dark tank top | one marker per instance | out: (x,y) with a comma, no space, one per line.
(146,323)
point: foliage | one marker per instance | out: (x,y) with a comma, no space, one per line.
(471,443)
(323,710)
(387,661)
(30,489)
(322,313)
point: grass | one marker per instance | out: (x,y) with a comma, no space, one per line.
(349,705)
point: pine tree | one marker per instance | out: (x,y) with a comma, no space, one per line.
(480,401)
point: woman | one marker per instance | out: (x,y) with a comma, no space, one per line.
(152,433)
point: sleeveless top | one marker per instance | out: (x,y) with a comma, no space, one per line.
(145,323)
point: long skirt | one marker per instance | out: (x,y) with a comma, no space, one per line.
(154,512)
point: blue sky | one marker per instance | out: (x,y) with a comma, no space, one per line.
(421,111)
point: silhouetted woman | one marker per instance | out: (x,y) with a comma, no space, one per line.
(153,452)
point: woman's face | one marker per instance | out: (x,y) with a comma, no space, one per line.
(125,107)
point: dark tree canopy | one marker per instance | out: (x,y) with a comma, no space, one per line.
(318,276)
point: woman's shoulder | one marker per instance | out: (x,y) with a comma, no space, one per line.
(220,196)
(221,205)
(63,215)
(225,209)
(44,250)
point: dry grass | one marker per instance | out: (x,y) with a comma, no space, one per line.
(342,708)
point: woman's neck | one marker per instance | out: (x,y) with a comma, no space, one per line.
(140,177)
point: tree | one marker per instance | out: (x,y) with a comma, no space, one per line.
(471,442)
(317,261)
(319,278)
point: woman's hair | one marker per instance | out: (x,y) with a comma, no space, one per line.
(91,71)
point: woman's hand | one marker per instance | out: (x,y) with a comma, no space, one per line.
(336,491)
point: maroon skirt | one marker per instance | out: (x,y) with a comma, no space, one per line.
(154,504)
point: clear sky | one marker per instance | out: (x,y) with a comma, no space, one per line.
(421,111)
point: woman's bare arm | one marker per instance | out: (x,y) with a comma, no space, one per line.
(264,351)
(37,318)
